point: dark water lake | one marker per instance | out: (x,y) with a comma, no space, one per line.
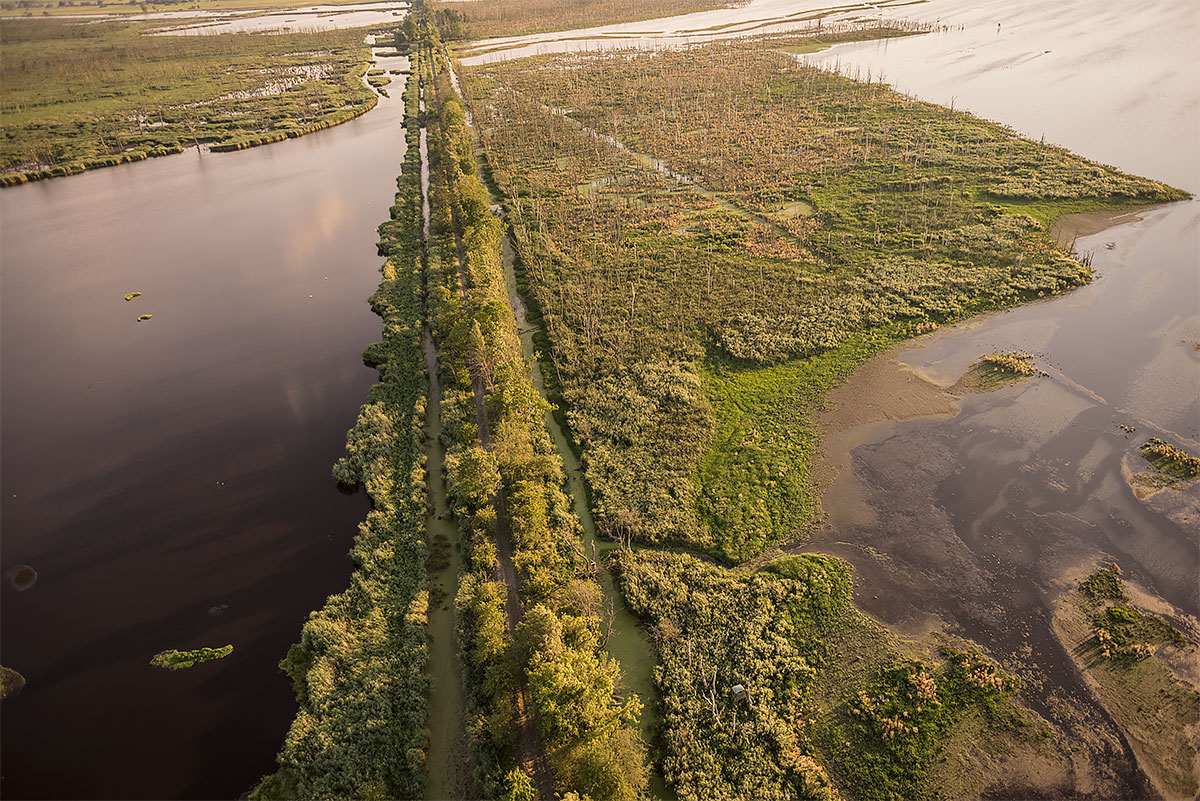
(169,480)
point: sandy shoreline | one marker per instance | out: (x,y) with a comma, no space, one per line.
(972,514)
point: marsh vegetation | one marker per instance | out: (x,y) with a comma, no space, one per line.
(80,96)
(1138,662)
(482,19)
(1170,460)
(694,316)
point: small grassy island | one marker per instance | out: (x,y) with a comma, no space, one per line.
(997,370)
(1136,661)
(177,660)
(1170,461)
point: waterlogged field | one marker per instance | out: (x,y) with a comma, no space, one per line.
(714,236)
(79,96)
(485,19)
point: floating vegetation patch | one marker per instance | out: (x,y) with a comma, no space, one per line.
(11,683)
(22,577)
(1169,460)
(177,660)
(997,370)
(144,317)
(133,295)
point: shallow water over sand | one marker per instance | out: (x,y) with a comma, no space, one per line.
(1121,350)
(169,480)
(308,18)
(982,519)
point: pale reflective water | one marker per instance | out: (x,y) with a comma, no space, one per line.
(169,480)
(308,18)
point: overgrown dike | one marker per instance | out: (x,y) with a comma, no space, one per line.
(625,639)
(546,716)
(359,669)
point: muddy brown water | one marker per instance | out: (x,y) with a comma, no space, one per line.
(169,480)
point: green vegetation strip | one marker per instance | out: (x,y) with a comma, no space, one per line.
(486,19)
(83,96)
(585,724)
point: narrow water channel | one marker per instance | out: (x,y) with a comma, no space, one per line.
(449,759)
(626,640)
(169,480)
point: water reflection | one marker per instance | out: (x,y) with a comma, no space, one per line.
(155,471)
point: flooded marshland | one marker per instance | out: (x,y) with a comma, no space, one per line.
(978,515)
(169,479)
(1046,460)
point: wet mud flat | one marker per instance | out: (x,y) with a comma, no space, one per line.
(978,514)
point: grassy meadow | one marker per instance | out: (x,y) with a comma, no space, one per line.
(79,96)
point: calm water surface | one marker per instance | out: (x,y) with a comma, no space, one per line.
(169,480)
(1121,87)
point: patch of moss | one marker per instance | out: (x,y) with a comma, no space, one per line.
(1104,584)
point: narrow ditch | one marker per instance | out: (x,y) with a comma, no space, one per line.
(448,759)
(625,639)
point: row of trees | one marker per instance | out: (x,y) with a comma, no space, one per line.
(528,602)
